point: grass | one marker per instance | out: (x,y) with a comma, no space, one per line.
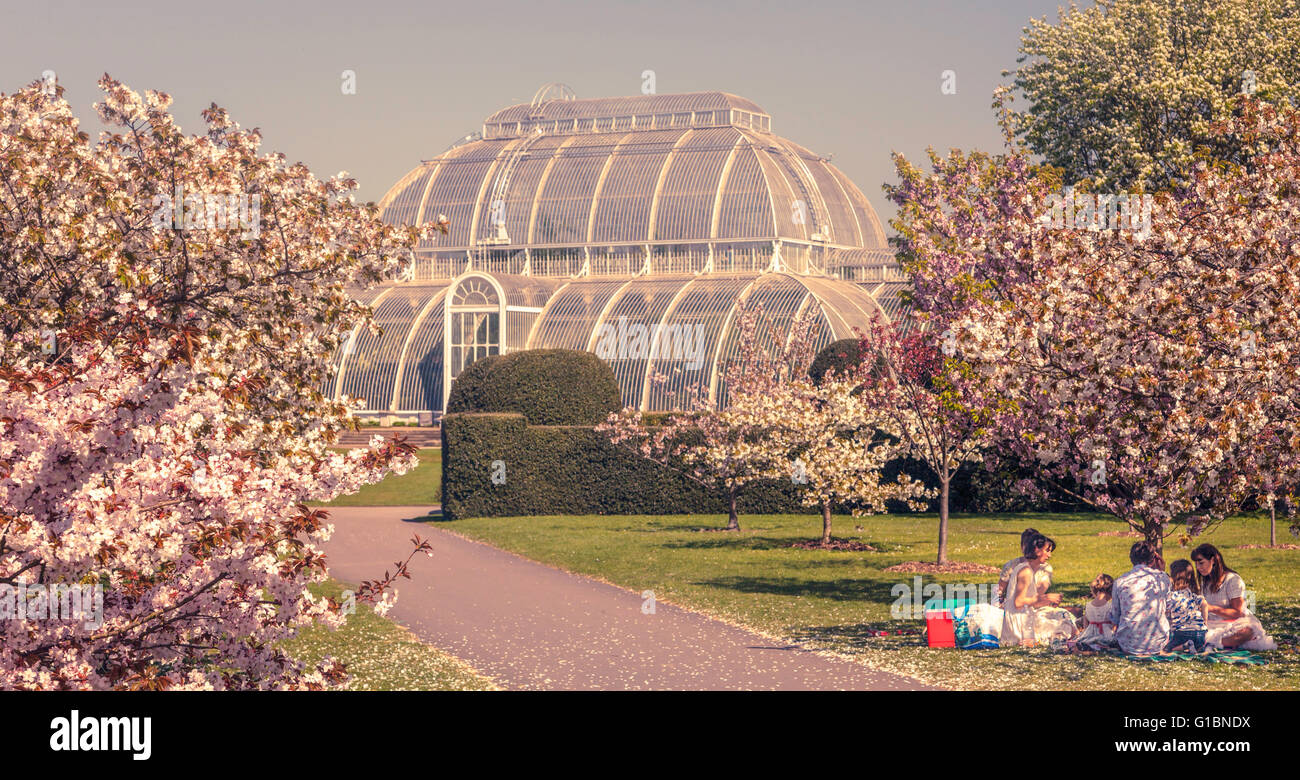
(381,655)
(839,601)
(420,486)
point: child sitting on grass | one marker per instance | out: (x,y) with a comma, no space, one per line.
(1186,608)
(1098,627)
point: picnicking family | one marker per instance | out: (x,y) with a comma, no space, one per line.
(1198,606)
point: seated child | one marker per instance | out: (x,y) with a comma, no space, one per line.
(1186,608)
(1098,627)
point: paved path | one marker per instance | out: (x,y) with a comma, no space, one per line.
(530,626)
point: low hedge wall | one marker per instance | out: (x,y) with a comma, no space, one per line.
(569,469)
(563,469)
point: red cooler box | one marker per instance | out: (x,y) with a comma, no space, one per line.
(938,621)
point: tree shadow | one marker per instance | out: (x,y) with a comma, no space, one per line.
(1281,621)
(718,541)
(1032,519)
(743,541)
(1071,592)
(850,638)
(862,590)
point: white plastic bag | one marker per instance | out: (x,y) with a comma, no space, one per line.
(983,623)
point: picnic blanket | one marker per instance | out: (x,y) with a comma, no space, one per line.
(1238,657)
(1235,657)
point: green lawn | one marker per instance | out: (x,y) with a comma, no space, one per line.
(839,601)
(382,655)
(420,486)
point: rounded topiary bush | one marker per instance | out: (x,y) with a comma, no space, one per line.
(546,386)
(841,355)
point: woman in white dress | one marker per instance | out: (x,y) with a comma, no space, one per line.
(1004,578)
(1229,624)
(1025,595)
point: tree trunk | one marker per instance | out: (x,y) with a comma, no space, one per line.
(733,519)
(1272,524)
(1155,536)
(943,518)
(826,523)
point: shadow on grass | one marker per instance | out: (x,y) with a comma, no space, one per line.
(1029,518)
(742,541)
(1072,593)
(1281,621)
(1036,666)
(1033,665)
(870,591)
(864,636)
(724,540)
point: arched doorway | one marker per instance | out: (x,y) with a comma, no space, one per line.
(473,322)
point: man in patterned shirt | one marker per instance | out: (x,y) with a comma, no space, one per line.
(1140,597)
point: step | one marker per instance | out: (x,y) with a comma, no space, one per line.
(420,437)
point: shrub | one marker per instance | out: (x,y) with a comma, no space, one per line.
(569,470)
(546,386)
(840,355)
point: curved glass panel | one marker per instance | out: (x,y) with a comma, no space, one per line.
(873,231)
(571,318)
(781,299)
(402,209)
(372,370)
(455,190)
(683,369)
(796,210)
(839,203)
(691,186)
(532,291)
(627,193)
(508,201)
(329,387)
(624,338)
(422,372)
(847,307)
(564,205)
(746,210)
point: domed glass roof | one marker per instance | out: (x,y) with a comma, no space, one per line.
(695,168)
(575,223)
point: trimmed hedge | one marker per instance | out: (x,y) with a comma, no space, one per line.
(565,470)
(840,355)
(547,386)
(569,469)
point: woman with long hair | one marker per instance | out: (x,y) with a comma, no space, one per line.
(1229,622)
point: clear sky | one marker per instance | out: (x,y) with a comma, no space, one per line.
(856,79)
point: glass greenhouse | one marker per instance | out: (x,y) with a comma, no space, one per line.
(588,224)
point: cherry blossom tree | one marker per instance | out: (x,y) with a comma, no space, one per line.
(711,443)
(932,400)
(169,304)
(834,442)
(1140,369)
